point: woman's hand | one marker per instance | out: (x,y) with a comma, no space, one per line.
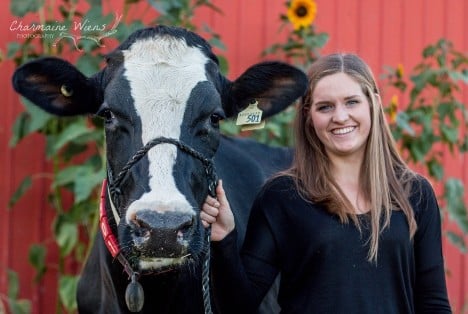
(217,213)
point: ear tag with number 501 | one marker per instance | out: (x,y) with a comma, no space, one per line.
(251,117)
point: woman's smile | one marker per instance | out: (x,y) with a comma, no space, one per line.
(343,131)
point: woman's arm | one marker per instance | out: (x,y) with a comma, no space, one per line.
(430,287)
(239,281)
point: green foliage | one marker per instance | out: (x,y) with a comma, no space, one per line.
(15,304)
(37,258)
(74,145)
(302,46)
(432,120)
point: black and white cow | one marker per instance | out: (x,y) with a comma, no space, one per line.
(164,83)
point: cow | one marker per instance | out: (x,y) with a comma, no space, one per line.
(162,96)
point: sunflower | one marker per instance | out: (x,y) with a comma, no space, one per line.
(301,13)
(400,71)
(393,110)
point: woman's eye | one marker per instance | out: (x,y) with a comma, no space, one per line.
(352,102)
(324,108)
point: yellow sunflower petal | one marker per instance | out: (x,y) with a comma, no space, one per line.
(393,108)
(400,70)
(302,13)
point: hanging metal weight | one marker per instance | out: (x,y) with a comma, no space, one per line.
(134,295)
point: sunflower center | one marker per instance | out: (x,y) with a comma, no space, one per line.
(301,11)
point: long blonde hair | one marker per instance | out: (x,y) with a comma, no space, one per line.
(384,177)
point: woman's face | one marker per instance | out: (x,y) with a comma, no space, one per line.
(340,115)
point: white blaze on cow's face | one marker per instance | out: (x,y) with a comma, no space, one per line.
(161,78)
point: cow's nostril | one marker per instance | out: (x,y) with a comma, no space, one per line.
(142,232)
(186,225)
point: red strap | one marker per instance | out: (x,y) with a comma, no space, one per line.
(109,238)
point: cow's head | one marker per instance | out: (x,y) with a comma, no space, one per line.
(161,82)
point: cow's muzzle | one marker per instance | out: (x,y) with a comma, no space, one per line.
(161,235)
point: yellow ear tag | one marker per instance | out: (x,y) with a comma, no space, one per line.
(250,118)
(249,127)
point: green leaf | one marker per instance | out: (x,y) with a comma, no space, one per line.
(88,64)
(38,118)
(449,134)
(24,186)
(429,51)
(453,194)
(29,121)
(95,3)
(13,285)
(216,42)
(12,49)
(19,129)
(457,240)
(20,306)
(464,145)
(124,30)
(229,127)
(66,235)
(223,64)
(435,169)
(37,258)
(67,291)
(84,177)
(21,8)
(86,183)
(16,306)
(71,132)
(402,122)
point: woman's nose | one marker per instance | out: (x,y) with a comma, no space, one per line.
(340,114)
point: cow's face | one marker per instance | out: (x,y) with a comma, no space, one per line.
(161,86)
(161,82)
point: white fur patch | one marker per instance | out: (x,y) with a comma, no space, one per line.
(162,73)
(157,263)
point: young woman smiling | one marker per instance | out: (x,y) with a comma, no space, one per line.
(349,227)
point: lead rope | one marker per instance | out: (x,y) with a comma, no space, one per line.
(210,171)
(134,294)
(206,275)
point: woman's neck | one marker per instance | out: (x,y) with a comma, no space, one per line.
(346,168)
(346,172)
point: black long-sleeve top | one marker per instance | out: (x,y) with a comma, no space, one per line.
(323,263)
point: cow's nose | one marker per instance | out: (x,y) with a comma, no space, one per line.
(162,234)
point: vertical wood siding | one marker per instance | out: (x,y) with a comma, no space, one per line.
(382,32)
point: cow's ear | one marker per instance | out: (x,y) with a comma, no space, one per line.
(57,87)
(275,85)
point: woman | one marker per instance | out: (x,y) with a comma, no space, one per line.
(349,227)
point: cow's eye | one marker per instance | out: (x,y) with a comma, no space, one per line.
(215,118)
(107,115)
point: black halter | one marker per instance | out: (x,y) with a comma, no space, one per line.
(134,292)
(207,163)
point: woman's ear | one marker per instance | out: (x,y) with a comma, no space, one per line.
(378,98)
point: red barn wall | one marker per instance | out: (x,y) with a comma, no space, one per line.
(382,32)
